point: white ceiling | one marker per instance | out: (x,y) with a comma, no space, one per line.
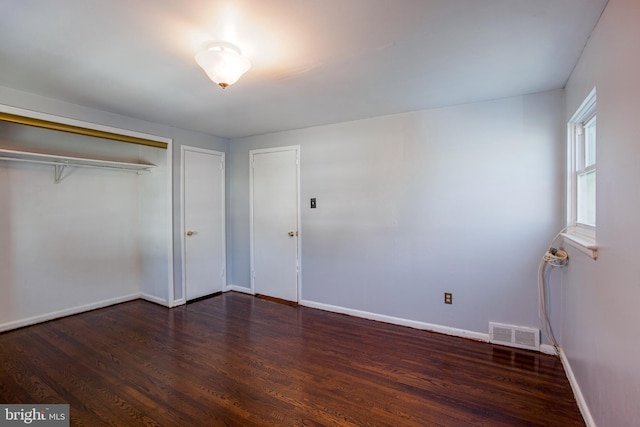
(314,61)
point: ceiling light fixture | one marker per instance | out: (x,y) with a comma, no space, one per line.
(223,62)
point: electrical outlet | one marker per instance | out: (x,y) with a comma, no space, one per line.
(448,298)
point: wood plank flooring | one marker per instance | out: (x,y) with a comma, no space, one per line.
(236,360)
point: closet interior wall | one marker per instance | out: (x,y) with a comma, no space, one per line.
(96,238)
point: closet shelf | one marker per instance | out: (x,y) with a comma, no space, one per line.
(61,162)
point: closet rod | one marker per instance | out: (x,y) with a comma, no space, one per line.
(62,127)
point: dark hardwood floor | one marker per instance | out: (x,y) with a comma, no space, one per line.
(242,361)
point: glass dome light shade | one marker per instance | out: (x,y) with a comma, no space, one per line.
(223,63)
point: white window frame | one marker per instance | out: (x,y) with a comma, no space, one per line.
(582,236)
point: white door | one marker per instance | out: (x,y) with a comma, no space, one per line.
(204,259)
(274,222)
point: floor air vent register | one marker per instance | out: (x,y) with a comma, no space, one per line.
(514,336)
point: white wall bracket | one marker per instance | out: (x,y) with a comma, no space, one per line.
(59,169)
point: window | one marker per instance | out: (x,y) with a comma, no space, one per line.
(586,173)
(581,174)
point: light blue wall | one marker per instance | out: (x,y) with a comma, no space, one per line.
(601,315)
(461,199)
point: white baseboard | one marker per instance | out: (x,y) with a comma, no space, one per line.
(577,392)
(243,289)
(155,300)
(548,349)
(463,333)
(478,336)
(66,312)
(181,301)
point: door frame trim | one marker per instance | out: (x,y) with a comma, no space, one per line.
(252,153)
(183,231)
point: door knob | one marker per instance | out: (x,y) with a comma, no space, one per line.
(189,233)
(291,234)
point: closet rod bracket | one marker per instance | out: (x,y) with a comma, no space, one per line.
(59,169)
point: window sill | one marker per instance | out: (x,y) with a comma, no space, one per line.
(582,243)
